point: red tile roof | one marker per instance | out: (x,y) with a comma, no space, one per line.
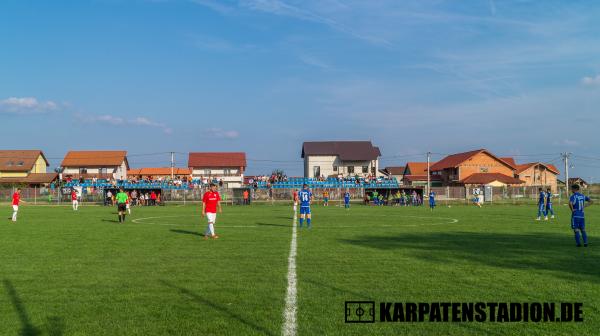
(159,171)
(454,160)
(217,160)
(94,159)
(485,178)
(19,160)
(525,166)
(346,150)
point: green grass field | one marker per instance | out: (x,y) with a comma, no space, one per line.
(66,273)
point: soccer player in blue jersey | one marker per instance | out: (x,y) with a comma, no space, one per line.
(347,199)
(305,197)
(578,202)
(541,204)
(431,200)
(548,205)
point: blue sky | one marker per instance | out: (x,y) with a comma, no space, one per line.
(517,77)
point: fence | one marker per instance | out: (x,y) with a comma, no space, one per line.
(501,195)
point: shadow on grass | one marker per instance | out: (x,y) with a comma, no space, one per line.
(55,325)
(218,307)
(109,220)
(546,252)
(187,232)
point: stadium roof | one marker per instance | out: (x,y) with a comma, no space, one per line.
(34,178)
(454,160)
(94,159)
(345,150)
(525,166)
(217,160)
(19,160)
(485,178)
(159,171)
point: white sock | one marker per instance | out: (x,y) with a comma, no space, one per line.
(211,228)
(14,216)
(129,211)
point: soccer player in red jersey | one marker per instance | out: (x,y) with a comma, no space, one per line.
(211,202)
(295,195)
(74,200)
(16,200)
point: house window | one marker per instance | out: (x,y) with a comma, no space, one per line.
(483,169)
(207,172)
(103,171)
(350,169)
(227,172)
(316,171)
(365,169)
(335,168)
(82,170)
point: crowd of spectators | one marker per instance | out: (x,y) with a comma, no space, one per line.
(399,198)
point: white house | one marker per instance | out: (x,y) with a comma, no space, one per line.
(346,158)
(98,164)
(226,166)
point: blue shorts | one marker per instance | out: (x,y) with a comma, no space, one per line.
(577,223)
(325,199)
(304,210)
(549,206)
(346,201)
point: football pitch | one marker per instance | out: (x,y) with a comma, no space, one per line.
(83,273)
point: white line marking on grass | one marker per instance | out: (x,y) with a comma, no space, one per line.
(289,314)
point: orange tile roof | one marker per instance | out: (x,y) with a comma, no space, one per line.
(485,178)
(33,178)
(417,168)
(217,160)
(19,160)
(454,160)
(510,161)
(159,171)
(522,167)
(94,159)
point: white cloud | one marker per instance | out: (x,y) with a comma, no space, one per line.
(221,133)
(591,81)
(26,105)
(118,121)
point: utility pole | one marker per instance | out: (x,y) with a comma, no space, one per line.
(565,156)
(172,164)
(428,173)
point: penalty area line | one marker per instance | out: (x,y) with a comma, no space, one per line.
(289,314)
